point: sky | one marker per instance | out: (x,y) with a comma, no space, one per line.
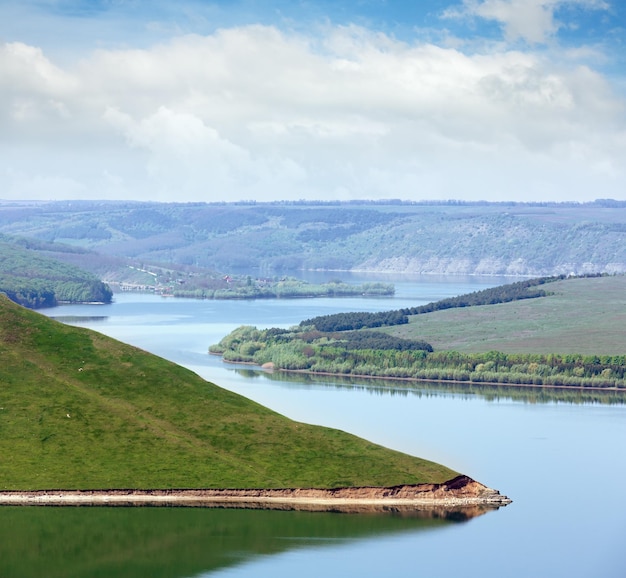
(239,100)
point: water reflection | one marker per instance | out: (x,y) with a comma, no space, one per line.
(79,319)
(175,542)
(526,394)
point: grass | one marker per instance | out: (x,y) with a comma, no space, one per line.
(583,315)
(79,410)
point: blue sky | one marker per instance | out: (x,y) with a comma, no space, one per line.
(196,100)
(115,23)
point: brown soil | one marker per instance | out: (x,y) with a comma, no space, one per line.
(460,495)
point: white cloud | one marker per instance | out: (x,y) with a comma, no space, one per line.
(32,89)
(16,58)
(531,20)
(253,112)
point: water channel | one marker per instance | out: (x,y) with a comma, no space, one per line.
(562,462)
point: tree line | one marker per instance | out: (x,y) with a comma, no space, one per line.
(355,320)
(527,289)
(376,354)
(239,287)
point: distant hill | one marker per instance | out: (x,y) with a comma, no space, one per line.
(442,238)
(36,274)
(31,279)
(81,410)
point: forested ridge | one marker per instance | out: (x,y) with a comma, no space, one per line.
(127,274)
(33,280)
(526,239)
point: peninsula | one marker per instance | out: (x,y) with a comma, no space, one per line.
(520,334)
(89,420)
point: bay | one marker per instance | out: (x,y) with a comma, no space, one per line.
(562,463)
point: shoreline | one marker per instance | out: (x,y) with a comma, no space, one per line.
(614,389)
(455,495)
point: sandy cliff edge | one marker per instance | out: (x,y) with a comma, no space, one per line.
(458,493)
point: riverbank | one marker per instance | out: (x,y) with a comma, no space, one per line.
(269,368)
(456,494)
(441,381)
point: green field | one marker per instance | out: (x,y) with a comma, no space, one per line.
(582,315)
(81,410)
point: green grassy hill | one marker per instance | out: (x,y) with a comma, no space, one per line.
(580,315)
(80,410)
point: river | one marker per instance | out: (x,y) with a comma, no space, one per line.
(562,463)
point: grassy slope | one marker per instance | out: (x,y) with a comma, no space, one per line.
(80,410)
(582,316)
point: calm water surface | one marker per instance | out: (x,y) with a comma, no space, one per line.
(562,464)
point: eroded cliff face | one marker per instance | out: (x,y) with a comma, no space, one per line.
(460,489)
(460,497)
(484,266)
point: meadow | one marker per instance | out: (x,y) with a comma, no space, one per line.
(79,410)
(580,316)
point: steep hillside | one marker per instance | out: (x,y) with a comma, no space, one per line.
(80,410)
(443,238)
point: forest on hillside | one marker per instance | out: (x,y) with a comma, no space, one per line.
(35,281)
(43,273)
(524,239)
